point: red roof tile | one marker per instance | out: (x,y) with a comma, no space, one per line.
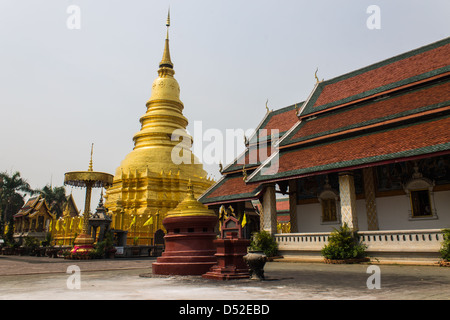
(230,186)
(401,139)
(375,110)
(281,122)
(396,71)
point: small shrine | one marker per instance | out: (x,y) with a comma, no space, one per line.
(100,221)
(189,246)
(231,248)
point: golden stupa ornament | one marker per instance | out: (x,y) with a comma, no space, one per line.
(147,180)
(87,179)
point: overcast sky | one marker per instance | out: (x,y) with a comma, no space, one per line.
(63,89)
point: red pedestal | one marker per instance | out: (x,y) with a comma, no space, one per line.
(230,262)
(189,247)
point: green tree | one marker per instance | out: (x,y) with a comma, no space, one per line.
(13,189)
(55,198)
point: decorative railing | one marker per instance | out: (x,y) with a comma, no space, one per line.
(426,240)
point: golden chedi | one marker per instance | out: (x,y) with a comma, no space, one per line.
(153,178)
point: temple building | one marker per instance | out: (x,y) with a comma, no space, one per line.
(33,219)
(370,149)
(153,177)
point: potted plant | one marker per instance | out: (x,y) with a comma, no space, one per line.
(31,245)
(262,246)
(344,246)
(445,249)
(265,242)
(135,250)
(110,250)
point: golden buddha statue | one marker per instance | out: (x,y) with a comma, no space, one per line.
(151,180)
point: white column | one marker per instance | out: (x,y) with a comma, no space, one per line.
(269,214)
(348,200)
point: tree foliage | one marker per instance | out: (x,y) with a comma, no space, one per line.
(55,198)
(264,241)
(13,189)
(344,244)
(445,249)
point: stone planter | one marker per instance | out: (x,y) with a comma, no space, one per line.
(256,261)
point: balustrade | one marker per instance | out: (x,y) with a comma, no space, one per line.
(426,240)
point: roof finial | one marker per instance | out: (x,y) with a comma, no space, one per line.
(190,188)
(168,23)
(166,62)
(90,161)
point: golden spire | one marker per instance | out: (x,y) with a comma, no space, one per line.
(166,62)
(90,161)
(190,189)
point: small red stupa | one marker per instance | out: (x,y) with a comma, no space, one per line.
(189,247)
(231,249)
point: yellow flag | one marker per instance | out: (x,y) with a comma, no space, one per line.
(57,225)
(149,221)
(244,220)
(80,224)
(133,221)
(50,226)
(71,223)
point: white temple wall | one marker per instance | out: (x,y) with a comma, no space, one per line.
(393,214)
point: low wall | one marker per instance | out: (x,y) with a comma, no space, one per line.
(388,245)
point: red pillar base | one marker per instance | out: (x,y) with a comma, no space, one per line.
(230,262)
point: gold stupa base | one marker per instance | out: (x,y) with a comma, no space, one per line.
(83,243)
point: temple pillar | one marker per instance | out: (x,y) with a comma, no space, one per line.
(293,205)
(269,215)
(348,200)
(369,191)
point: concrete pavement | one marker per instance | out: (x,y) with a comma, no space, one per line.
(23,278)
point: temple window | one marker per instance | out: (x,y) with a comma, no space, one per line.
(329,200)
(420,203)
(419,191)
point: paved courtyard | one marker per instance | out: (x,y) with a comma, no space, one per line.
(131,279)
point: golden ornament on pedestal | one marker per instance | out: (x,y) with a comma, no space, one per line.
(87,179)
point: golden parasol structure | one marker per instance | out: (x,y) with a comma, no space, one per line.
(87,179)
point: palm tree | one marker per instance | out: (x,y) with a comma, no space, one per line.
(55,197)
(12,192)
